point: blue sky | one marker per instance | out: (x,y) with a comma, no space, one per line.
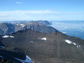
(41,10)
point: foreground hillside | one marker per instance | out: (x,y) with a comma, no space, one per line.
(54,47)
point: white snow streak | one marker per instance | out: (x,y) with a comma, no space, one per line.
(70,42)
(7,36)
(22,25)
(12,36)
(44,38)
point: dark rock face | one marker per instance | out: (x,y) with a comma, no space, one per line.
(54,47)
(10,56)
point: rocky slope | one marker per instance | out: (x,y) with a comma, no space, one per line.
(54,47)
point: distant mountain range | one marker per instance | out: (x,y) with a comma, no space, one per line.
(8,28)
(44,44)
(71,28)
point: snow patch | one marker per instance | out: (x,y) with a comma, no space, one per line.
(74,43)
(27,60)
(70,42)
(7,36)
(22,25)
(44,38)
(11,36)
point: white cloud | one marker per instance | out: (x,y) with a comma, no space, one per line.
(40,15)
(18,2)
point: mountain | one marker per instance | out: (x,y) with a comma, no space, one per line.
(39,27)
(54,47)
(9,28)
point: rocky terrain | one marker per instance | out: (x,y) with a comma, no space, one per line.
(53,47)
(11,27)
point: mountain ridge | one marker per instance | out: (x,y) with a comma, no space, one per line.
(54,49)
(9,28)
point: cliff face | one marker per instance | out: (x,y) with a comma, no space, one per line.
(53,47)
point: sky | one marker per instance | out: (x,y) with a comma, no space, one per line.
(57,10)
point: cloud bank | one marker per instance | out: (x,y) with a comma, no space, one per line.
(40,15)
